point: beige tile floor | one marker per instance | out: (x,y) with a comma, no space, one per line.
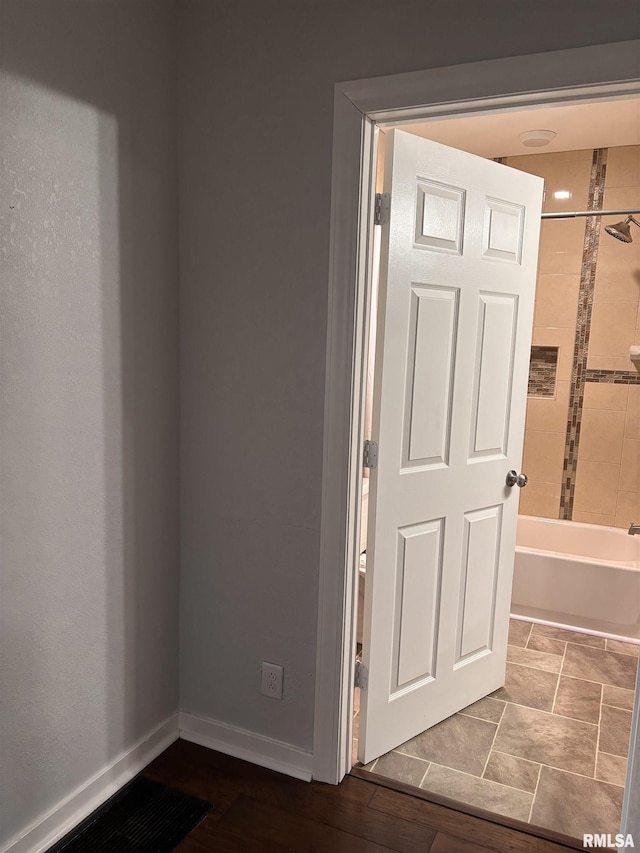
(549,747)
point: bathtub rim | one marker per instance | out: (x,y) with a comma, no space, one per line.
(628,565)
(631,565)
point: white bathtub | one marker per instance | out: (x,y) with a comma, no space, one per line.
(577,575)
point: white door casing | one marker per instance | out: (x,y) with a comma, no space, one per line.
(457,285)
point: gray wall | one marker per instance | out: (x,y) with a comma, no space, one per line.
(89,360)
(255,155)
(89,391)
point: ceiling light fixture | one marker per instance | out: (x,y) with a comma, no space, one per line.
(537,138)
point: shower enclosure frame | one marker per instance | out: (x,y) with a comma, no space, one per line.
(600,72)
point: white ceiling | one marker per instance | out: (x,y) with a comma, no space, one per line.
(599,124)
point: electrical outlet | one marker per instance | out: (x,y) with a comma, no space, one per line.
(272,676)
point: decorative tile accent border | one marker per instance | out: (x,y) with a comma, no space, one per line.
(542,371)
(616,377)
(583,328)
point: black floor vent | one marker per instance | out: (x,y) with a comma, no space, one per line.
(145,817)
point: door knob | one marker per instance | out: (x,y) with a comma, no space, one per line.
(515,479)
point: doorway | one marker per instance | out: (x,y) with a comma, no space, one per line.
(552,681)
(549,71)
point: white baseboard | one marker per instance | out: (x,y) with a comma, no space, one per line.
(258,749)
(70,811)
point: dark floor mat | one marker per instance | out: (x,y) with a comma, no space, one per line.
(145,817)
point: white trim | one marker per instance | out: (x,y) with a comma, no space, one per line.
(258,749)
(590,73)
(522,81)
(591,632)
(340,509)
(70,811)
(630,820)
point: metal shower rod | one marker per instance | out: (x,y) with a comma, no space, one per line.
(575,213)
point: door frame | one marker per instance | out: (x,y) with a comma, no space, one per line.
(599,72)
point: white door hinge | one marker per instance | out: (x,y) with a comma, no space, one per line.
(370,454)
(381,210)
(361,679)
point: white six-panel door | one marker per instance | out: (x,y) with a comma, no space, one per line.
(457,283)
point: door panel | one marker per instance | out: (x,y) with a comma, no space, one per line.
(494,367)
(432,337)
(457,281)
(503,230)
(478,582)
(439,217)
(419,579)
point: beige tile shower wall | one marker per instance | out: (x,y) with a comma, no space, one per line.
(608,478)
(560,259)
(601,441)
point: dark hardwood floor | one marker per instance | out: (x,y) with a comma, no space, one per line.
(260,810)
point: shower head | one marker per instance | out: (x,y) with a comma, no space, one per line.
(622,230)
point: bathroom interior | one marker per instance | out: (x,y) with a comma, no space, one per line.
(550,747)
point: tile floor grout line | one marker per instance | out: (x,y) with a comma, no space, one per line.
(538,668)
(573,632)
(480,778)
(593,681)
(542,711)
(533,651)
(617,707)
(528,648)
(555,695)
(612,651)
(595,763)
(580,646)
(546,651)
(503,710)
(567,675)
(425,774)
(612,755)
(535,794)
(597,648)
(534,637)
(405,754)
(551,767)
(604,648)
(567,717)
(484,719)
(495,735)
(519,757)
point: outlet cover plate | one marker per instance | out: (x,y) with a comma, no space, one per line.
(272,679)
